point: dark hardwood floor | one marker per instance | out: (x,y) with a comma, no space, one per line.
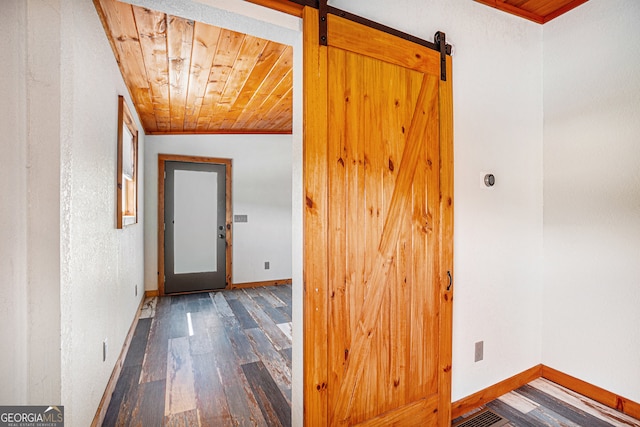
(224,359)
(544,403)
(210,359)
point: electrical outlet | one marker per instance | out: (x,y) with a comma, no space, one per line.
(479,354)
(266,265)
(104,350)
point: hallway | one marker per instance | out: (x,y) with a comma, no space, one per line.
(208,359)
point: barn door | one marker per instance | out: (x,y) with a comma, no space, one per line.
(378,168)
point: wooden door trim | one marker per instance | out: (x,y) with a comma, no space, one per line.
(315,223)
(446,243)
(162,159)
(286,6)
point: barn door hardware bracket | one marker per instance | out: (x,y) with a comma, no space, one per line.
(323,10)
(440,39)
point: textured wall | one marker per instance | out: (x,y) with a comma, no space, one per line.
(68,274)
(100,265)
(30,203)
(591,312)
(13,209)
(43,199)
(261,189)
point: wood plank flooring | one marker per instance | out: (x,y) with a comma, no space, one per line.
(210,359)
(544,403)
(224,359)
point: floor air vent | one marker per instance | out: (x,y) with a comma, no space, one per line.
(485,418)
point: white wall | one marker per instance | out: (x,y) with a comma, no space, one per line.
(497,84)
(591,309)
(30,204)
(261,189)
(100,265)
(13,209)
(70,274)
(44,110)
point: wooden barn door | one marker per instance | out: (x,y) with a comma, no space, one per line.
(378,229)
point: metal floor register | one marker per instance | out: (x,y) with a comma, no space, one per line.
(484,418)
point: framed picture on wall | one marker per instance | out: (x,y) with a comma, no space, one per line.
(127,168)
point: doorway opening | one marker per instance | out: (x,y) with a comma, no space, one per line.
(173,57)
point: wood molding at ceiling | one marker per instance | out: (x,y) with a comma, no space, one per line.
(186,77)
(285,6)
(539,11)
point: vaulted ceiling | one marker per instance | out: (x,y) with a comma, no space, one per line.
(188,77)
(539,11)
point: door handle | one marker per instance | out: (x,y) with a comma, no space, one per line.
(450,280)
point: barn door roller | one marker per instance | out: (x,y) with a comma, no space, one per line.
(441,41)
(439,44)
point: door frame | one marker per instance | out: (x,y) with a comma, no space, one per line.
(162,159)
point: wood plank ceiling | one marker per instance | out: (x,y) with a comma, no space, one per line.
(187,77)
(539,11)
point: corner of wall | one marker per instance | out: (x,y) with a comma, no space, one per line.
(591,199)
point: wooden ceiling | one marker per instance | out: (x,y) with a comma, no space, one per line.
(539,11)
(188,77)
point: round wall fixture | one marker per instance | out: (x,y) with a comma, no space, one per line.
(489,180)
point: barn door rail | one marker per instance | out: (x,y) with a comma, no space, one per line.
(439,44)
